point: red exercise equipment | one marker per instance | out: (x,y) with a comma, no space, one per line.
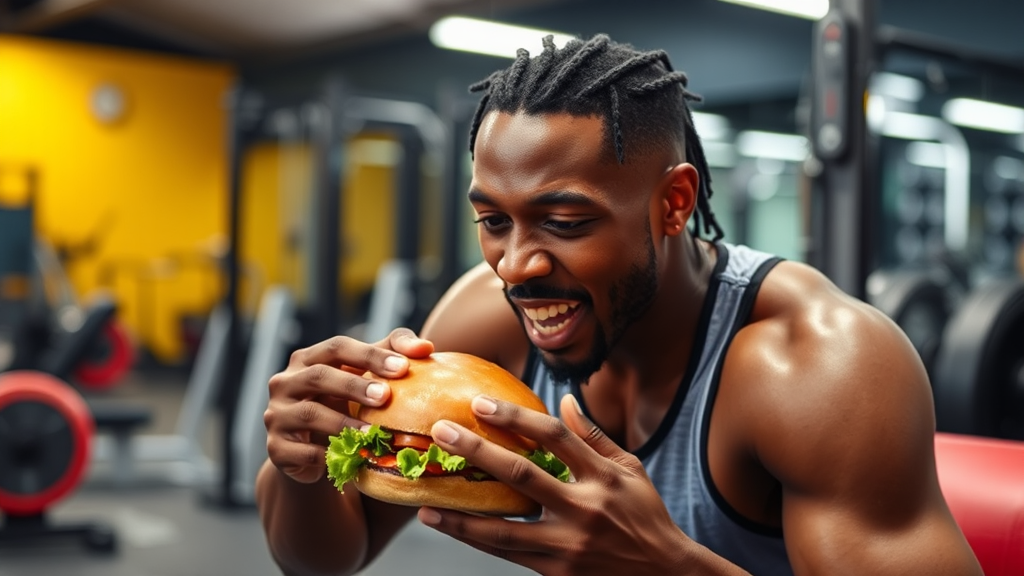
(982,480)
(46,431)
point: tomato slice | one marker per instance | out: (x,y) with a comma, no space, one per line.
(385,461)
(417,441)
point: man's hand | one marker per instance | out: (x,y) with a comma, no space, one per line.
(608,520)
(309,399)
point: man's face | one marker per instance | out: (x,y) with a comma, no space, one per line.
(568,231)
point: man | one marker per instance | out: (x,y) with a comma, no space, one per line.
(722,412)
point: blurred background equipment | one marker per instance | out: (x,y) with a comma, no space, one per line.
(45,437)
(189,190)
(918,268)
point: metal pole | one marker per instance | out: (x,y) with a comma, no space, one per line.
(325,205)
(245,113)
(844,58)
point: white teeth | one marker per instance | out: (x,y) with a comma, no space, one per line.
(541,314)
(549,329)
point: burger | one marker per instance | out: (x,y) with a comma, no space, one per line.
(396,461)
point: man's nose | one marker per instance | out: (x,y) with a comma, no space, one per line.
(523,259)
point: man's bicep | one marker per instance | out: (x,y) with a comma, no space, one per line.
(857,465)
(830,536)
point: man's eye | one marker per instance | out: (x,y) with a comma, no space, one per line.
(567,225)
(491,222)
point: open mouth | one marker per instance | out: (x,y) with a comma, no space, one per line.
(553,318)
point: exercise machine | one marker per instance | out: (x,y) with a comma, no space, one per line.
(291,318)
(965,321)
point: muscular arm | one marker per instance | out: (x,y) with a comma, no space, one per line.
(312,528)
(845,423)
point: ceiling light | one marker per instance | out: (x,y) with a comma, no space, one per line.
(897,86)
(1008,168)
(756,144)
(719,154)
(711,126)
(926,154)
(984,115)
(491,38)
(810,9)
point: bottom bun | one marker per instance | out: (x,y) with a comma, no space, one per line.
(488,497)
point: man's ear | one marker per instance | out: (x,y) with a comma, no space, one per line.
(679,198)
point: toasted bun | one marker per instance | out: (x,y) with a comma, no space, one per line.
(488,497)
(441,387)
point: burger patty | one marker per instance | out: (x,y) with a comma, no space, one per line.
(388,464)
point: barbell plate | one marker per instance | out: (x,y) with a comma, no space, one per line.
(46,432)
(976,382)
(109,359)
(918,302)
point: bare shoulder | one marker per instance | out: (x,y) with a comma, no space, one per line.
(818,373)
(473,316)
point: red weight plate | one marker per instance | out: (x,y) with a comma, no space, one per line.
(108,371)
(22,387)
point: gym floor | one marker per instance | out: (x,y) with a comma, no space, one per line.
(165,530)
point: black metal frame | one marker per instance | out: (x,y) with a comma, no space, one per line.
(844,206)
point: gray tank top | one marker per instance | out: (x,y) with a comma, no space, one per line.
(675,456)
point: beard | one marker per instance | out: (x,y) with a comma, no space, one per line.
(630,297)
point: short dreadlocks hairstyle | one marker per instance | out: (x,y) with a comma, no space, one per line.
(642,99)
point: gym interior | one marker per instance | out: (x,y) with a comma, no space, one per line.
(191,190)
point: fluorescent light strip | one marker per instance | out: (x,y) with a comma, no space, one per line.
(926,154)
(984,115)
(491,38)
(719,154)
(1008,168)
(772,145)
(897,86)
(810,9)
(711,126)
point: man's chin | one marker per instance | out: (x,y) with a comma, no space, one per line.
(565,371)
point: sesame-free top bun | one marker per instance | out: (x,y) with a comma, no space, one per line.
(442,387)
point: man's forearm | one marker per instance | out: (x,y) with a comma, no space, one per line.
(311,529)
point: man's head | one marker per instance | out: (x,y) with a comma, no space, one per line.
(642,99)
(579,179)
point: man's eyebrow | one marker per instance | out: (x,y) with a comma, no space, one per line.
(551,198)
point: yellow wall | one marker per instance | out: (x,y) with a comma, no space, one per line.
(275,216)
(151,186)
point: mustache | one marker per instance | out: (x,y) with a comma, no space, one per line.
(540,291)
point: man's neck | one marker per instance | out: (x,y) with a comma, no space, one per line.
(654,349)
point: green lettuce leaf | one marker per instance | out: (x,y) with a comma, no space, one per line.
(412,463)
(343,459)
(550,464)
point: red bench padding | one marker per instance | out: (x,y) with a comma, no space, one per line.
(983,482)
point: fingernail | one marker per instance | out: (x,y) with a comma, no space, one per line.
(576,405)
(484,405)
(375,390)
(365,428)
(395,363)
(445,433)
(430,516)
